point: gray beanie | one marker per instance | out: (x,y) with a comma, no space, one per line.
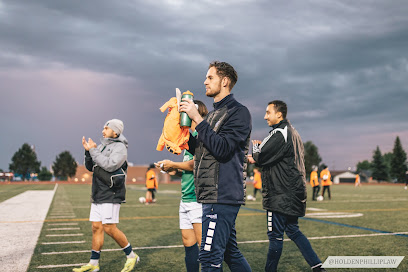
(116,125)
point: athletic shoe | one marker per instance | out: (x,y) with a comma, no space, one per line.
(319,269)
(87,268)
(130,263)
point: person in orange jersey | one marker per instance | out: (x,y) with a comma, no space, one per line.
(151,184)
(326,181)
(257,182)
(357,181)
(314,181)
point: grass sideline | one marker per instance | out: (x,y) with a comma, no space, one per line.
(384,208)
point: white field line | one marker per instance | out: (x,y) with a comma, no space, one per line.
(330,237)
(315,209)
(243,242)
(64,229)
(64,235)
(60,265)
(62,217)
(333,215)
(63,243)
(62,224)
(25,214)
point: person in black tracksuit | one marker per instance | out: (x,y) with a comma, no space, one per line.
(281,156)
(220,151)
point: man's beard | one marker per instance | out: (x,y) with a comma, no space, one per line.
(213,94)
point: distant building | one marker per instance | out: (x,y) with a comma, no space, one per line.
(135,174)
(344,177)
(6,176)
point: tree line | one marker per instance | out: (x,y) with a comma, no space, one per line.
(25,163)
(391,166)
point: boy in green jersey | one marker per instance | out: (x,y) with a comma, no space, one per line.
(190,211)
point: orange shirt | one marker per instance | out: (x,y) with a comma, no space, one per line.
(151,181)
(357,179)
(314,181)
(326,177)
(257,181)
(174,137)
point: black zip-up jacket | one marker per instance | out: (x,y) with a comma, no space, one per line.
(281,156)
(220,151)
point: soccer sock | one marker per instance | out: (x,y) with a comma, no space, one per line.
(128,251)
(192,258)
(95,255)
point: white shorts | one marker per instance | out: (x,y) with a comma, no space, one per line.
(107,213)
(189,214)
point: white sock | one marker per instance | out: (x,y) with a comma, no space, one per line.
(94,262)
(131,255)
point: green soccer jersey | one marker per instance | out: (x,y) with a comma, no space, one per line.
(187,180)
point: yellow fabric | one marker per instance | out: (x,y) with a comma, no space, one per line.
(151,181)
(174,137)
(325,181)
(257,181)
(314,181)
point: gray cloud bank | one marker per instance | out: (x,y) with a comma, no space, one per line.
(68,66)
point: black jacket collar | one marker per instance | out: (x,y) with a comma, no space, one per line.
(223,102)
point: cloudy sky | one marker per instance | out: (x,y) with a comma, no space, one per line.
(66,67)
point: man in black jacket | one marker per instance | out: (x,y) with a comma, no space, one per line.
(220,160)
(281,156)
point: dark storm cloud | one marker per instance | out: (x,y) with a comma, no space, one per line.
(340,65)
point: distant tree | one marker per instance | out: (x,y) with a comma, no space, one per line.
(64,166)
(387,157)
(312,157)
(398,161)
(378,166)
(44,174)
(1,170)
(363,166)
(24,162)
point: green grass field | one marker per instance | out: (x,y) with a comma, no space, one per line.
(153,229)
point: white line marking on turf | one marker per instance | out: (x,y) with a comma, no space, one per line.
(243,242)
(61,217)
(64,235)
(62,224)
(315,209)
(60,265)
(64,229)
(330,237)
(333,215)
(62,243)
(17,235)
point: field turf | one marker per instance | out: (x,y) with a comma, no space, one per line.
(154,232)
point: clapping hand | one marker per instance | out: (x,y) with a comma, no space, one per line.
(88,145)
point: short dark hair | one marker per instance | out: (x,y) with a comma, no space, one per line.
(280,106)
(225,70)
(202,109)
